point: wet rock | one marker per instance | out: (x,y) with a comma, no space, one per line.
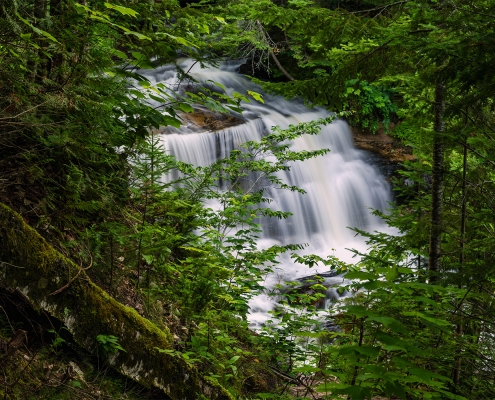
(204,120)
(387,154)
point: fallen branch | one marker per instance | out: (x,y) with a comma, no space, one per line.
(290,379)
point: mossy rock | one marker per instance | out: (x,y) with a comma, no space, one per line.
(31,266)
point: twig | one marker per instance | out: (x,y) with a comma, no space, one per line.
(24,112)
(380,8)
(419,31)
(8,320)
(73,279)
(374,51)
(290,379)
(12,265)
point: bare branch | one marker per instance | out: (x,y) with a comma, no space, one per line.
(282,69)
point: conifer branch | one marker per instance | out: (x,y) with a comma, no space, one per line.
(380,8)
(24,112)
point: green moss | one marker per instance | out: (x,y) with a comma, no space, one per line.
(30,265)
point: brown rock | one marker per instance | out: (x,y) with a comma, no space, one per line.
(382,144)
(205,120)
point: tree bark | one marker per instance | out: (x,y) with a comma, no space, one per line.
(438,183)
(40,8)
(463,206)
(35,64)
(459,328)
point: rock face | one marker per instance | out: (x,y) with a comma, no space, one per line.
(53,283)
(204,120)
(382,144)
(387,153)
(212,121)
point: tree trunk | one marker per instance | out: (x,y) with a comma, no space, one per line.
(40,9)
(28,264)
(35,64)
(438,182)
(459,333)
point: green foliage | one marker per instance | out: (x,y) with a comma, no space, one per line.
(369,104)
(406,131)
(108,345)
(394,334)
(58,340)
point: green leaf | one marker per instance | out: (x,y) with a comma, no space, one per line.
(353,391)
(137,93)
(256,96)
(432,320)
(119,54)
(394,389)
(37,30)
(237,95)
(426,300)
(148,258)
(178,39)
(370,351)
(358,311)
(219,85)
(186,107)
(402,362)
(122,10)
(427,376)
(140,36)
(360,275)
(220,19)
(236,109)
(307,368)
(389,347)
(171,121)
(156,98)
(308,334)
(392,274)
(389,321)
(139,56)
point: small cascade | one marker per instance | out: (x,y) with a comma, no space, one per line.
(341,186)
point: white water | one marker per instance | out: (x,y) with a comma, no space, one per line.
(341,186)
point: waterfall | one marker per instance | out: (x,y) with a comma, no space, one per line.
(341,186)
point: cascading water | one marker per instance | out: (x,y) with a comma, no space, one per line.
(341,186)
